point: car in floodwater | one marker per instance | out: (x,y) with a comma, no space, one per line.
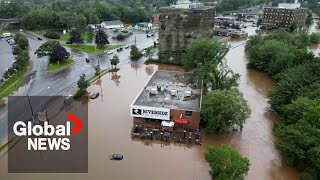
(116,157)
(94,95)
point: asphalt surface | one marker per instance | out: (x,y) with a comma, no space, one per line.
(6,56)
(64,82)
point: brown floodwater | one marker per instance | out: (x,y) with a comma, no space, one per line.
(110,126)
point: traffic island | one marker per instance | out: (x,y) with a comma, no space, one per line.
(55,67)
(90,49)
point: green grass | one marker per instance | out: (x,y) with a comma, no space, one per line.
(91,49)
(96,77)
(3,31)
(66,37)
(54,68)
(14,82)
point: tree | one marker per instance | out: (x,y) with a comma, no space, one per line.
(22,41)
(90,34)
(149,53)
(290,81)
(75,37)
(114,61)
(226,163)
(202,51)
(120,36)
(81,22)
(97,69)
(135,54)
(315,38)
(101,38)
(83,83)
(223,109)
(54,50)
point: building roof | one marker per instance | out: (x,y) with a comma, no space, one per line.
(289,5)
(171,80)
(112,23)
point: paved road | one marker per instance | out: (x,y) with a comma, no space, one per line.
(6,56)
(63,82)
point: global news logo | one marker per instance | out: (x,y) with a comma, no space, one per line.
(48,137)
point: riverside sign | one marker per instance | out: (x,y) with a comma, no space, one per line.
(150,112)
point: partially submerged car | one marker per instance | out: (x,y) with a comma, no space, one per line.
(116,157)
(94,95)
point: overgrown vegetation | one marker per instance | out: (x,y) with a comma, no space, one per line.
(226,163)
(296,97)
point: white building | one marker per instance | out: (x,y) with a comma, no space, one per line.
(112,24)
(186,4)
(144,26)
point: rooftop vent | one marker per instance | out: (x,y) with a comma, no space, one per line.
(188,93)
(173,92)
(153,91)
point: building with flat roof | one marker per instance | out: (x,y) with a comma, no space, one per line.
(169,96)
(180,25)
(285,15)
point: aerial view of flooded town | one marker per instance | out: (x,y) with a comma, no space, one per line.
(159,89)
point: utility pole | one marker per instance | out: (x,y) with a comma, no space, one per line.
(97,54)
(135,40)
(31,109)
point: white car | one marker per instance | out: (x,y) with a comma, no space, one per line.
(143,52)
(108,52)
(4,35)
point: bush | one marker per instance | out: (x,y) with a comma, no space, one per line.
(135,54)
(52,35)
(79,94)
(315,38)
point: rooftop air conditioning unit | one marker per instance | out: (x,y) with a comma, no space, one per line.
(154,91)
(188,93)
(173,92)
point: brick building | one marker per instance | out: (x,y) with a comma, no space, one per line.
(285,15)
(170,97)
(180,25)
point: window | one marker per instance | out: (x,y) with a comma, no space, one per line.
(188,113)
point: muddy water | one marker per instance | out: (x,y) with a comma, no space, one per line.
(110,124)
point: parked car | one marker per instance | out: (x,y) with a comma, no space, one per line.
(108,52)
(4,35)
(119,49)
(94,95)
(148,35)
(153,34)
(126,47)
(39,38)
(143,52)
(87,60)
(68,100)
(116,157)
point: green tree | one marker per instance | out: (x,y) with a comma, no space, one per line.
(114,61)
(291,81)
(202,51)
(90,34)
(22,41)
(83,83)
(135,54)
(149,53)
(101,38)
(223,109)
(226,163)
(54,50)
(315,38)
(81,22)
(75,37)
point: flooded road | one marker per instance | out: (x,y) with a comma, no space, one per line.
(110,125)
